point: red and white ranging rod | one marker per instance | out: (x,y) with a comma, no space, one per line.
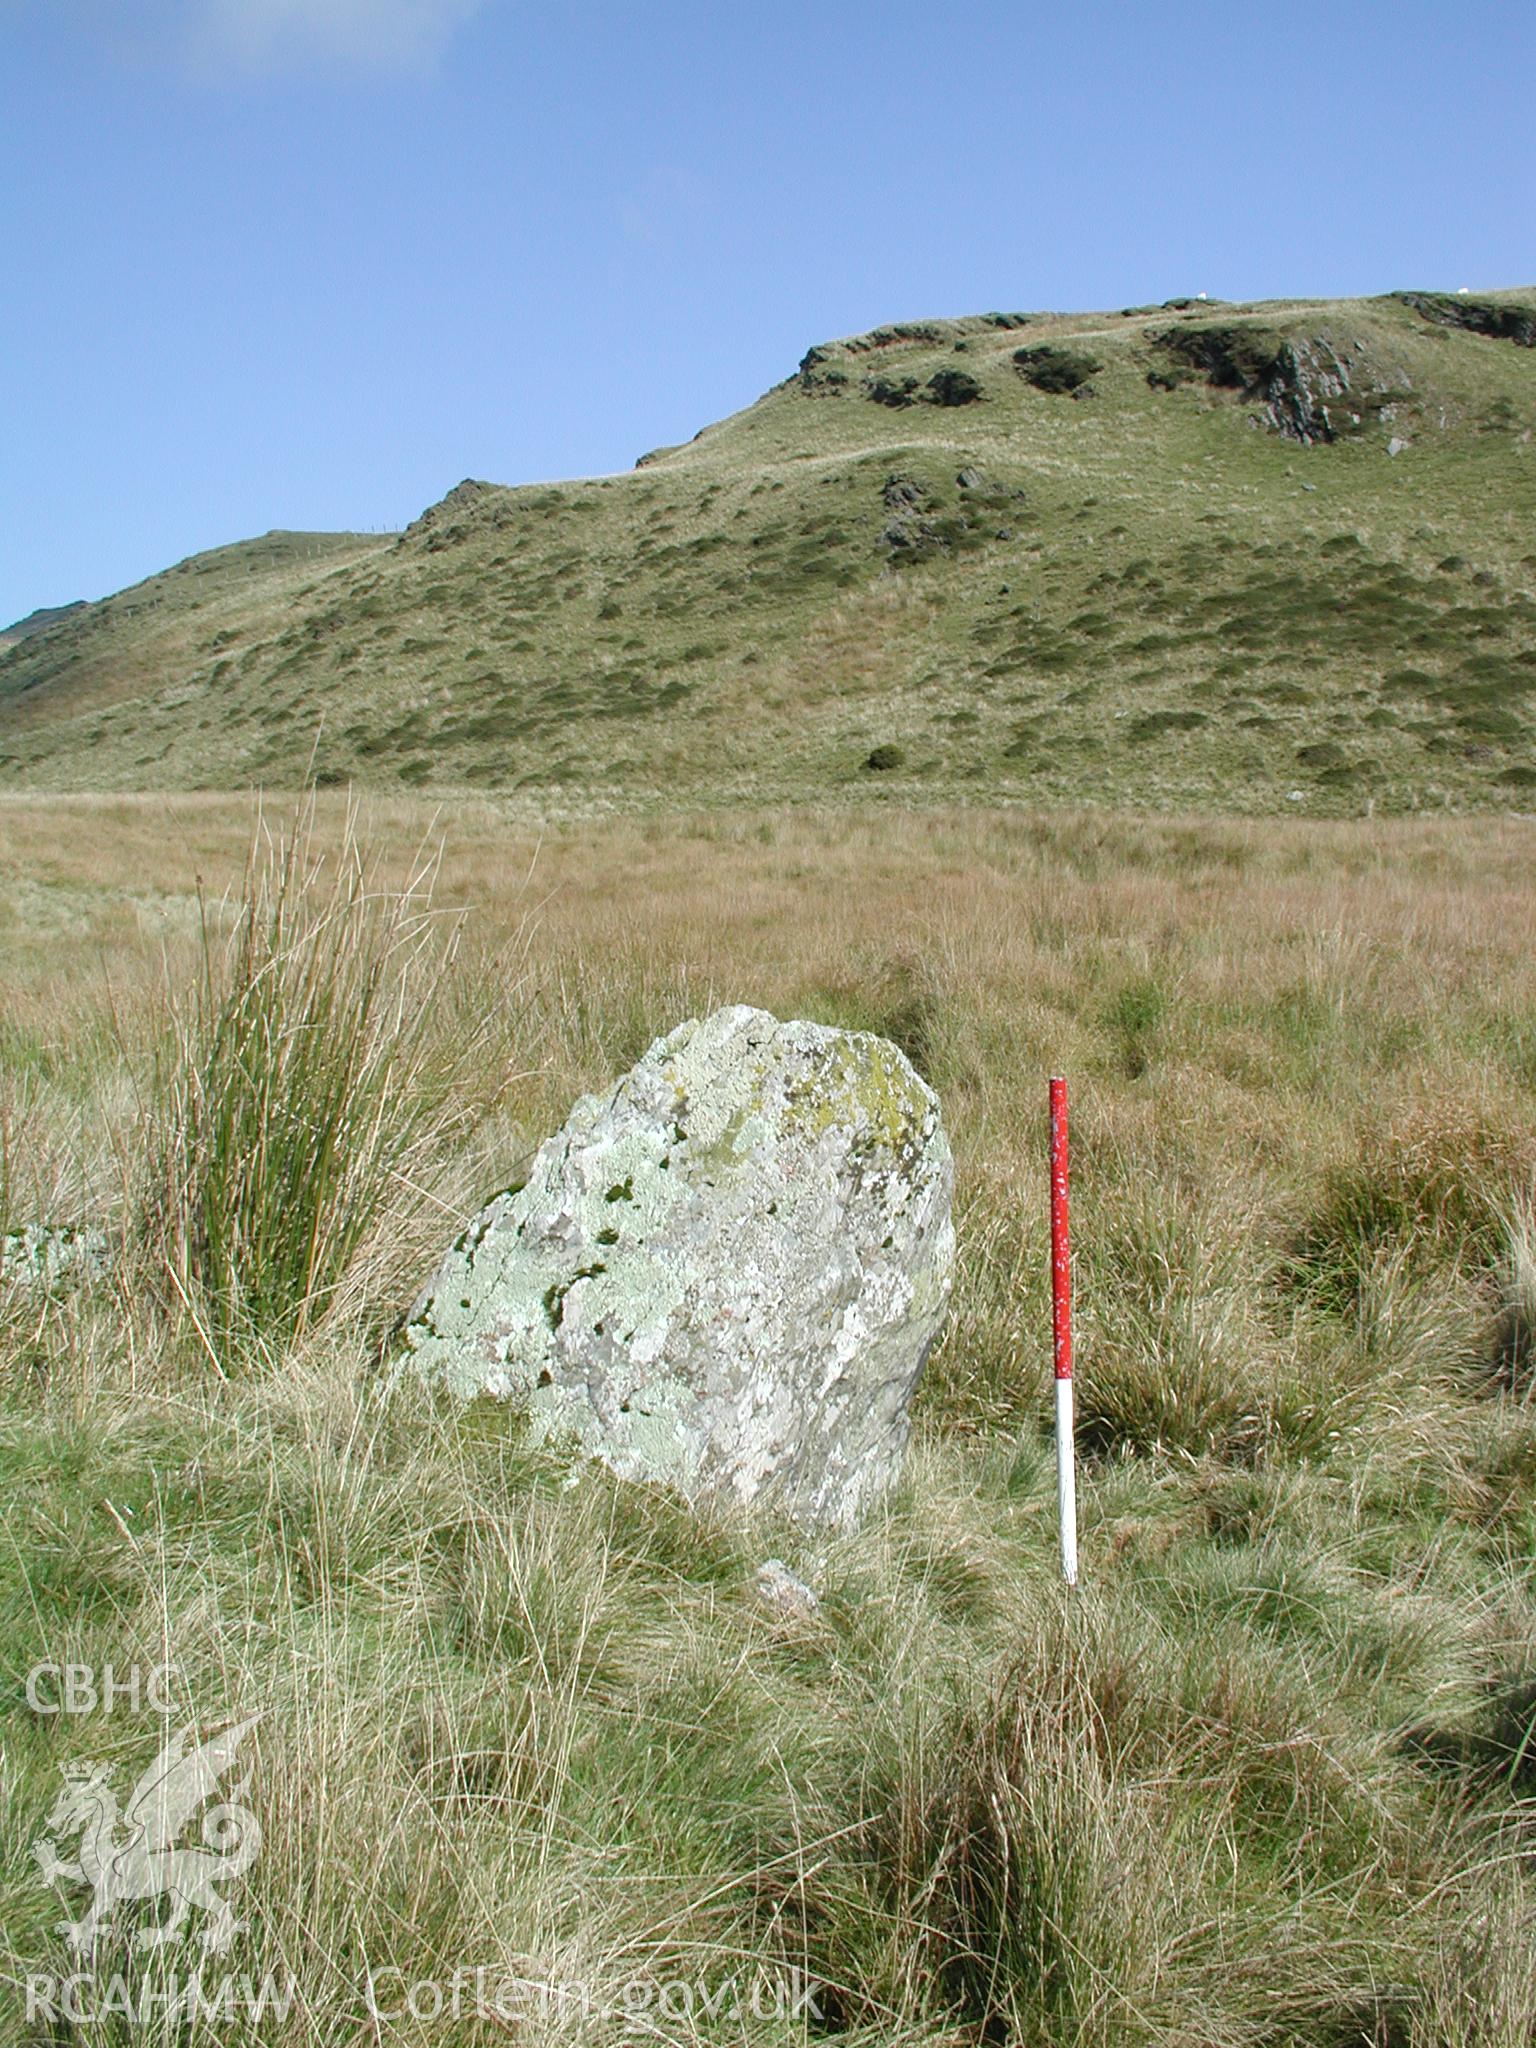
(1061,1320)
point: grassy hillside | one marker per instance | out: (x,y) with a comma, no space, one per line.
(1246,558)
(1267,1781)
(39,621)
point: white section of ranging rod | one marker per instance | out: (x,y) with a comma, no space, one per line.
(1061,1330)
(1066,1481)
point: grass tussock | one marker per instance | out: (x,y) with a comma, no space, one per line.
(8,1142)
(307,1083)
(1435,1176)
(1514,1341)
(1267,1779)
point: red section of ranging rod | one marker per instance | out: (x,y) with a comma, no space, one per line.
(1061,1249)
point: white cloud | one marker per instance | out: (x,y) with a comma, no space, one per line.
(267,35)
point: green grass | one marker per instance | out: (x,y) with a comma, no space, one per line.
(1266,1778)
(1142,594)
(304,1082)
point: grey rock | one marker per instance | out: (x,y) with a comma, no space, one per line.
(780,1588)
(909,527)
(1312,389)
(1396,445)
(1307,375)
(43,1254)
(723,1275)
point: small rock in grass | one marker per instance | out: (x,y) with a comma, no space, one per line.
(43,1254)
(783,1589)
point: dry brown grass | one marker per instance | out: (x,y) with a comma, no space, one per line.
(1303,1078)
(1244,1002)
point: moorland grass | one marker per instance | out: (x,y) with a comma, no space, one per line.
(307,1077)
(1141,595)
(1266,1779)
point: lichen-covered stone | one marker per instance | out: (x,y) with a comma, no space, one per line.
(785,1591)
(44,1254)
(724,1275)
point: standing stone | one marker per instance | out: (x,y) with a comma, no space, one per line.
(724,1275)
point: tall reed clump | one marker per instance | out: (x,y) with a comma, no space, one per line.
(1514,1344)
(305,1083)
(39,1167)
(7,1162)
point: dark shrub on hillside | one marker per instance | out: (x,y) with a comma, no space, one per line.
(1064,371)
(1232,358)
(884,757)
(894,391)
(1153,724)
(953,387)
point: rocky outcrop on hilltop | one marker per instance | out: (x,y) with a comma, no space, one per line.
(1309,388)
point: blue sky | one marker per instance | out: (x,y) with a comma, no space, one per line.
(306,263)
